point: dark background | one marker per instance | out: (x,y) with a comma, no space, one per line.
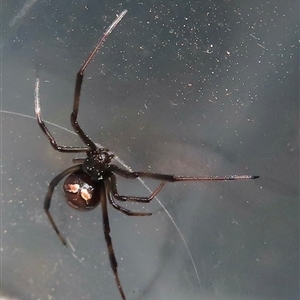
(190,88)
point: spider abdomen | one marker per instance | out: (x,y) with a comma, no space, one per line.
(81,192)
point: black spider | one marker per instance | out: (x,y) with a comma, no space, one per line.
(93,179)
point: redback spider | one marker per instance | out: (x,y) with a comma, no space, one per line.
(92,181)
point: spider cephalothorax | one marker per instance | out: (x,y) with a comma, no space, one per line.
(97,163)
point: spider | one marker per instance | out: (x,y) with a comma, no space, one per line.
(92,180)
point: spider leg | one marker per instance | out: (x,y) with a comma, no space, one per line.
(132,198)
(111,200)
(173,178)
(45,129)
(79,79)
(78,160)
(49,194)
(111,252)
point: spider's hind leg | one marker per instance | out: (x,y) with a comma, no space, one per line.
(133,198)
(78,160)
(49,194)
(111,195)
(110,248)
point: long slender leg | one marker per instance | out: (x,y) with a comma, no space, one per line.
(45,129)
(111,253)
(79,80)
(49,194)
(132,198)
(173,178)
(118,207)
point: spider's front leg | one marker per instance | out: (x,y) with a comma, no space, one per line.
(49,194)
(79,79)
(174,178)
(44,128)
(156,176)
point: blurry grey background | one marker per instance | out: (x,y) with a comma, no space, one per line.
(190,88)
